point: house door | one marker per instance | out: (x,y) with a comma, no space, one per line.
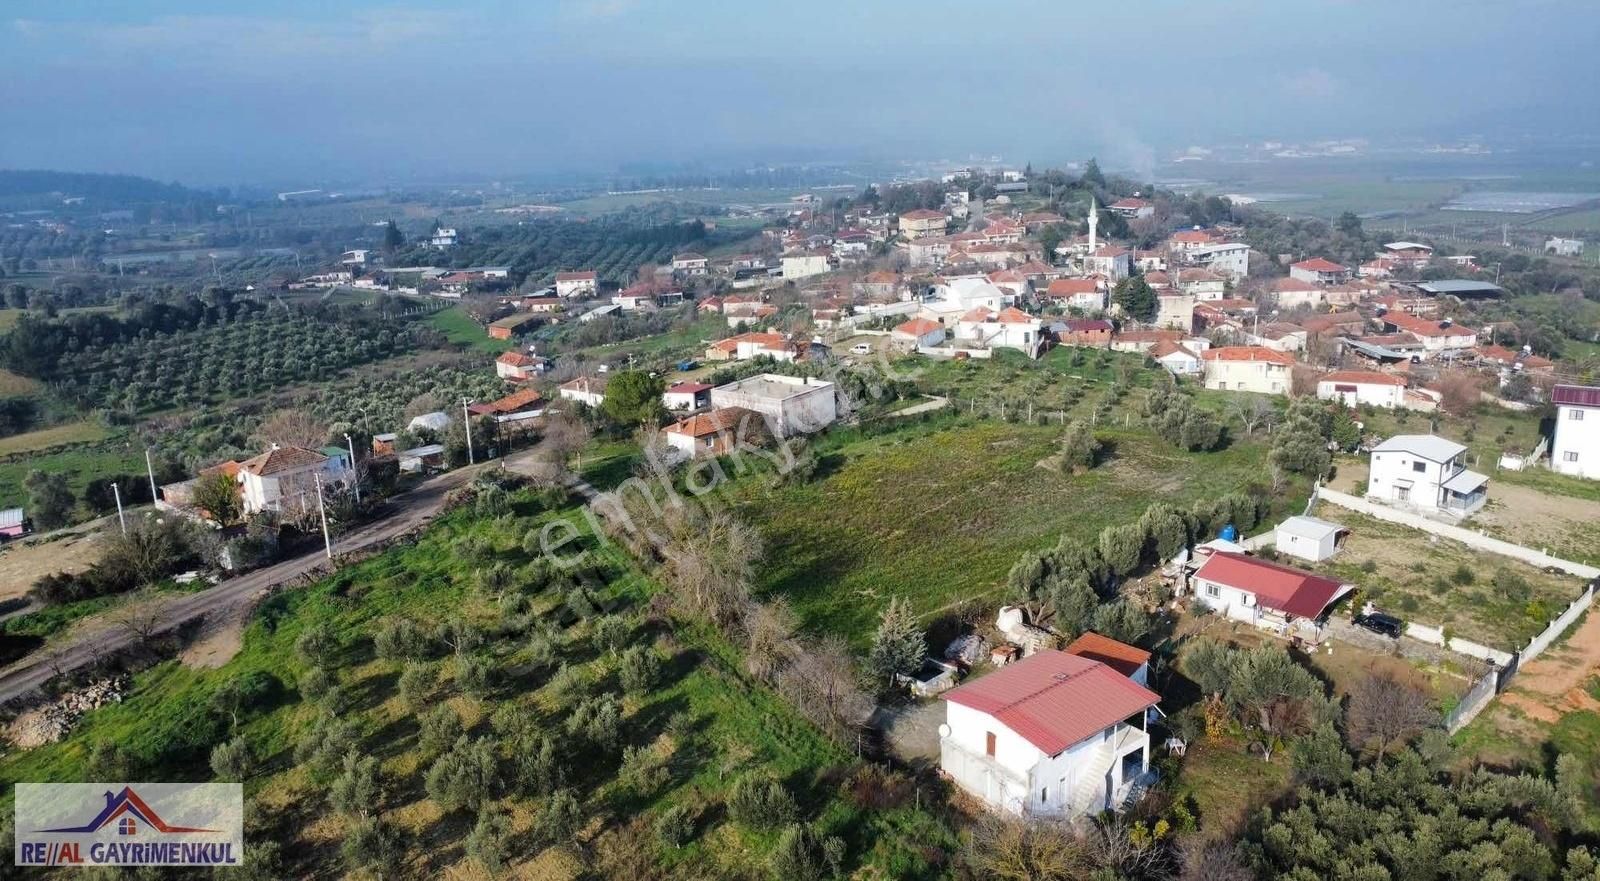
(1402,493)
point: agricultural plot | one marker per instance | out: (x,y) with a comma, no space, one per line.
(459,328)
(699,729)
(55,436)
(79,464)
(1491,600)
(938,511)
(225,362)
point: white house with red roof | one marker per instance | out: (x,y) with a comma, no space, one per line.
(1054,734)
(1320,270)
(519,367)
(1132,208)
(1087,294)
(687,396)
(1248,369)
(916,333)
(576,284)
(1436,335)
(1112,261)
(1353,387)
(1272,596)
(922,223)
(1010,328)
(284,479)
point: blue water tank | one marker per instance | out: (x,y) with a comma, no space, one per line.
(1229,533)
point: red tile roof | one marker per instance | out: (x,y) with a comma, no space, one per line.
(281,459)
(516,359)
(1130,203)
(1119,656)
(919,326)
(923,214)
(1053,700)
(1013,315)
(1249,353)
(1576,395)
(575,276)
(1366,377)
(1319,264)
(1087,325)
(1276,587)
(517,401)
(688,388)
(1066,287)
(1425,326)
(1168,347)
(978,313)
(715,422)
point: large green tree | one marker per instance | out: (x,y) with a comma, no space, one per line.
(898,646)
(1136,298)
(50,499)
(633,397)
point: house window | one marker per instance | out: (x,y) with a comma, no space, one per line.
(988,744)
(1419,467)
(1569,456)
(710,441)
(1575,414)
(1044,795)
(1402,493)
(1213,591)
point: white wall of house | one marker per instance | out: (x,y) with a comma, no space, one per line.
(1355,393)
(1262,377)
(1230,602)
(1407,478)
(805,265)
(1577,447)
(1020,778)
(792,405)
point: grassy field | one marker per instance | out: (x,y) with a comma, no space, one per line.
(938,512)
(1412,574)
(55,436)
(460,329)
(705,724)
(660,351)
(80,464)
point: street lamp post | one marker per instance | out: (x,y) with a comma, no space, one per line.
(466,422)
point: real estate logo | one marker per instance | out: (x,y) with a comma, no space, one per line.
(129,824)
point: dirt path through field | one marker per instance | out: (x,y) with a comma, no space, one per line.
(1553,684)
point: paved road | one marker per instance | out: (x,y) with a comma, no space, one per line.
(409,511)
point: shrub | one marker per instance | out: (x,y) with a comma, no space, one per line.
(675,826)
(476,673)
(1463,575)
(232,762)
(641,670)
(761,802)
(802,854)
(401,639)
(560,819)
(314,683)
(465,776)
(439,728)
(610,634)
(416,684)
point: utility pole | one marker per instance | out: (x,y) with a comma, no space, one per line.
(355,475)
(150,471)
(117,494)
(327,540)
(466,422)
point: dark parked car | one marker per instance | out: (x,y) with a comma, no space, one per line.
(1381,624)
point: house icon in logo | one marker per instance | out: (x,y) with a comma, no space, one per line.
(127,810)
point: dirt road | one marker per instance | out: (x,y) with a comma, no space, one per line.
(409,511)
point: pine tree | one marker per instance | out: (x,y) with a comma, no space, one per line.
(899,645)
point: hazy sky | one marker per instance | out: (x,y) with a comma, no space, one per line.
(219,91)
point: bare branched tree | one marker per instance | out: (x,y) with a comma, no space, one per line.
(1008,848)
(292,428)
(1386,712)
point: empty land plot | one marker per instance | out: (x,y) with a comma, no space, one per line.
(938,512)
(54,436)
(1488,599)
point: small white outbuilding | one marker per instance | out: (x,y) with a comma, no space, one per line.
(1309,538)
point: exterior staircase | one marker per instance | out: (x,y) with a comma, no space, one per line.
(1090,797)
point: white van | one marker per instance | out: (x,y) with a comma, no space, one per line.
(861,349)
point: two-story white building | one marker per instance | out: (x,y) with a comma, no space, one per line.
(1576,449)
(284,479)
(1248,369)
(1426,473)
(1054,734)
(576,284)
(1320,270)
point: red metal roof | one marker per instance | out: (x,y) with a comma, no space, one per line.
(1276,587)
(1576,395)
(1249,353)
(1053,700)
(1119,656)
